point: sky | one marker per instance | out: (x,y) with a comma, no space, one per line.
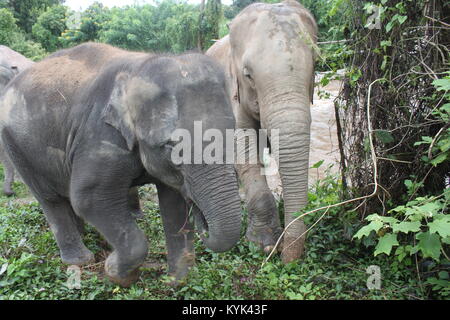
(83,4)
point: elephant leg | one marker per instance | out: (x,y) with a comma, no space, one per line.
(9,173)
(178,231)
(263,218)
(102,199)
(133,202)
(67,228)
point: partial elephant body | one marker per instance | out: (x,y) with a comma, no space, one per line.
(87,125)
(269,58)
(11,63)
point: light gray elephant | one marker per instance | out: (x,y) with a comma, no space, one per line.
(269,56)
(11,63)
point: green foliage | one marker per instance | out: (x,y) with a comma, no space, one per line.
(7,26)
(421,226)
(210,23)
(49,27)
(91,22)
(152,28)
(27,11)
(182,31)
(439,145)
(131,28)
(30,49)
(11,36)
(333,268)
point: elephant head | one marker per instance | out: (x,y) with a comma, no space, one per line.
(11,63)
(271,62)
(189,97)
(7,73)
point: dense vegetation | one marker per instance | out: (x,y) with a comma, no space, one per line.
(334,267)
(403,228)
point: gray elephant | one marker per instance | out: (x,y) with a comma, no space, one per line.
(11,63)
(87,125)
(269,57)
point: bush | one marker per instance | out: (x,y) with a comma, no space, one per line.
(49,27)
(30,49)
(7,26)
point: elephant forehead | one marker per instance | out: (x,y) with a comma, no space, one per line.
(140,90)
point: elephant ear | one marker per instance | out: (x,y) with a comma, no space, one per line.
(116,112)
(311,85)
(234,84)
(141,110)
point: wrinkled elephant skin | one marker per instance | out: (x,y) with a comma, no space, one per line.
(88,125)
(269,57)
(11,63)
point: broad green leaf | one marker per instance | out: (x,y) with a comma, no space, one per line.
(386,243)
(402,19)
(446,108)
(389,26)
(429,244)
(440,226)
(408,183)
(439,159)
(406,227)
(442,84)
(429,209)
(389,220)
(384,219)
(366,230)
(444,145)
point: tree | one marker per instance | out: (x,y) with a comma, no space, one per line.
(209,24)
(169,26)
(182,31)
(7,26)
(131,28)
(91,23)
(26,12)
(11,36)
(49,27)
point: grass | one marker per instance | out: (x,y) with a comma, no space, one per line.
(334,266)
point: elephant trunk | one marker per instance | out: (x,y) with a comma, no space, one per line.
(216,194)
(289,112)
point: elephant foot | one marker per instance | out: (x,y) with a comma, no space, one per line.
(79,257)
(126,281)
(117,274)
(184,264)
(265,238)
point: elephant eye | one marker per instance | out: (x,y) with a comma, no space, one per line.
(247,73)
